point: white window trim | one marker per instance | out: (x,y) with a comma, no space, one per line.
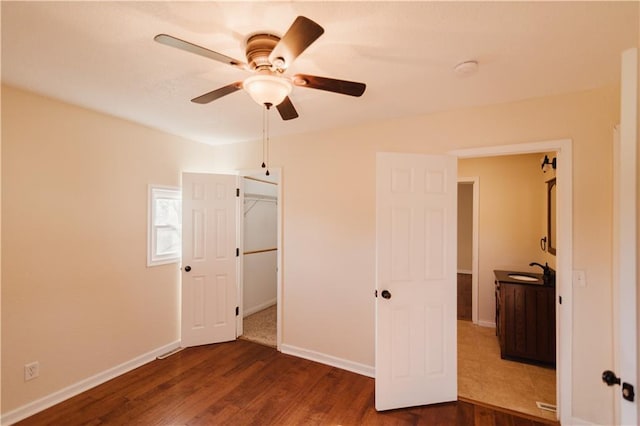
(168,192)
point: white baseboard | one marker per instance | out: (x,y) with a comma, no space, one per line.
(489,324)
(354,367)
(575,421)
(38,405)
(258,308)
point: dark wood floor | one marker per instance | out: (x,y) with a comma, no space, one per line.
(243,383)
(464,297)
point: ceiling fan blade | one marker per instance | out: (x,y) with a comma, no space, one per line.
(351,88)
(198,50)
(287,110)
(218,93)
(298,37)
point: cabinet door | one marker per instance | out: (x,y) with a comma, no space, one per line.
(528,322)
(546,317)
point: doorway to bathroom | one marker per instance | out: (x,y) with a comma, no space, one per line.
(478,346)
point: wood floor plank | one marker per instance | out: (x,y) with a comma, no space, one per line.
(466,414)
(243,383)
(464,297)
(484,416)
(504,419)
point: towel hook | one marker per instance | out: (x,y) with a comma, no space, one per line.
(543,243)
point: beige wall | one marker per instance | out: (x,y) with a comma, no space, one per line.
(465,226)
(77,295)
(511,206)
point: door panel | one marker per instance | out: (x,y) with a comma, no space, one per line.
(416,360)
(209,250)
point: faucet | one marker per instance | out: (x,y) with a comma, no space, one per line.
(546,271)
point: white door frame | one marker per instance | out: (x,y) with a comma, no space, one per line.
(564,265)
(239,326)
(475,287)
(625,240)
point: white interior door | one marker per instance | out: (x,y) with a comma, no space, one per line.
(625,254)
(416,347)
(209,261)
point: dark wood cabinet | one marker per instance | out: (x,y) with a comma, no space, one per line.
(525,322)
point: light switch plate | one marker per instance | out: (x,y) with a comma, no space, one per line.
(579,278)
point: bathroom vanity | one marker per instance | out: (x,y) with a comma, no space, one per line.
(525,317)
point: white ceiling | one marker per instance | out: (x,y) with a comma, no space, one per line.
(101,55)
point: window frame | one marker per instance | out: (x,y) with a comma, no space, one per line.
(156,192)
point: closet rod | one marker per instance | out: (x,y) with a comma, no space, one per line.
(260,251)
(260,180)
(259,197)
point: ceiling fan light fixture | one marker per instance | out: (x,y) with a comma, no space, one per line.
(267,89)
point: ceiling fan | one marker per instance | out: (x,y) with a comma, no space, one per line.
(268,57)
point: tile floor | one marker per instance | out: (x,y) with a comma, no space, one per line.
(484,377)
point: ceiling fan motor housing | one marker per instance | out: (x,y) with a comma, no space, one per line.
(259,47)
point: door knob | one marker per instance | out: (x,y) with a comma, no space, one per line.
(610,378)
(385,294)
(187,268)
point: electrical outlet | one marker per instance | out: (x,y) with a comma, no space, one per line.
(31,371)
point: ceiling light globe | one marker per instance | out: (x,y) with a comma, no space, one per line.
(267,89)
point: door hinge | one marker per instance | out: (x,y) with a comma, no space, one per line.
(376,293)
(560,300)
(237,310)
(237,252)
(237,192)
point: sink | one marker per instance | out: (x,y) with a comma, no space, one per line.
(522,277)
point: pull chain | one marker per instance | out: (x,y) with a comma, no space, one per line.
(265,145)
(268,106)
(264,119)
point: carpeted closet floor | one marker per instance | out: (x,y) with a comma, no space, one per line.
(261,327)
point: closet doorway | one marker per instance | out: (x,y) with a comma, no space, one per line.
(260,258)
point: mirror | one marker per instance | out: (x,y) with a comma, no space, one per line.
(551,216)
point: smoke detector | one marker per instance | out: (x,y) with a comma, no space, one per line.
(466,68)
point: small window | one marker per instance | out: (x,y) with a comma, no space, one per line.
(165,225)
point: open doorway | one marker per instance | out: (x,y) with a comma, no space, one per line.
(467,277)
(260,235)
(512,223)
(480,331)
